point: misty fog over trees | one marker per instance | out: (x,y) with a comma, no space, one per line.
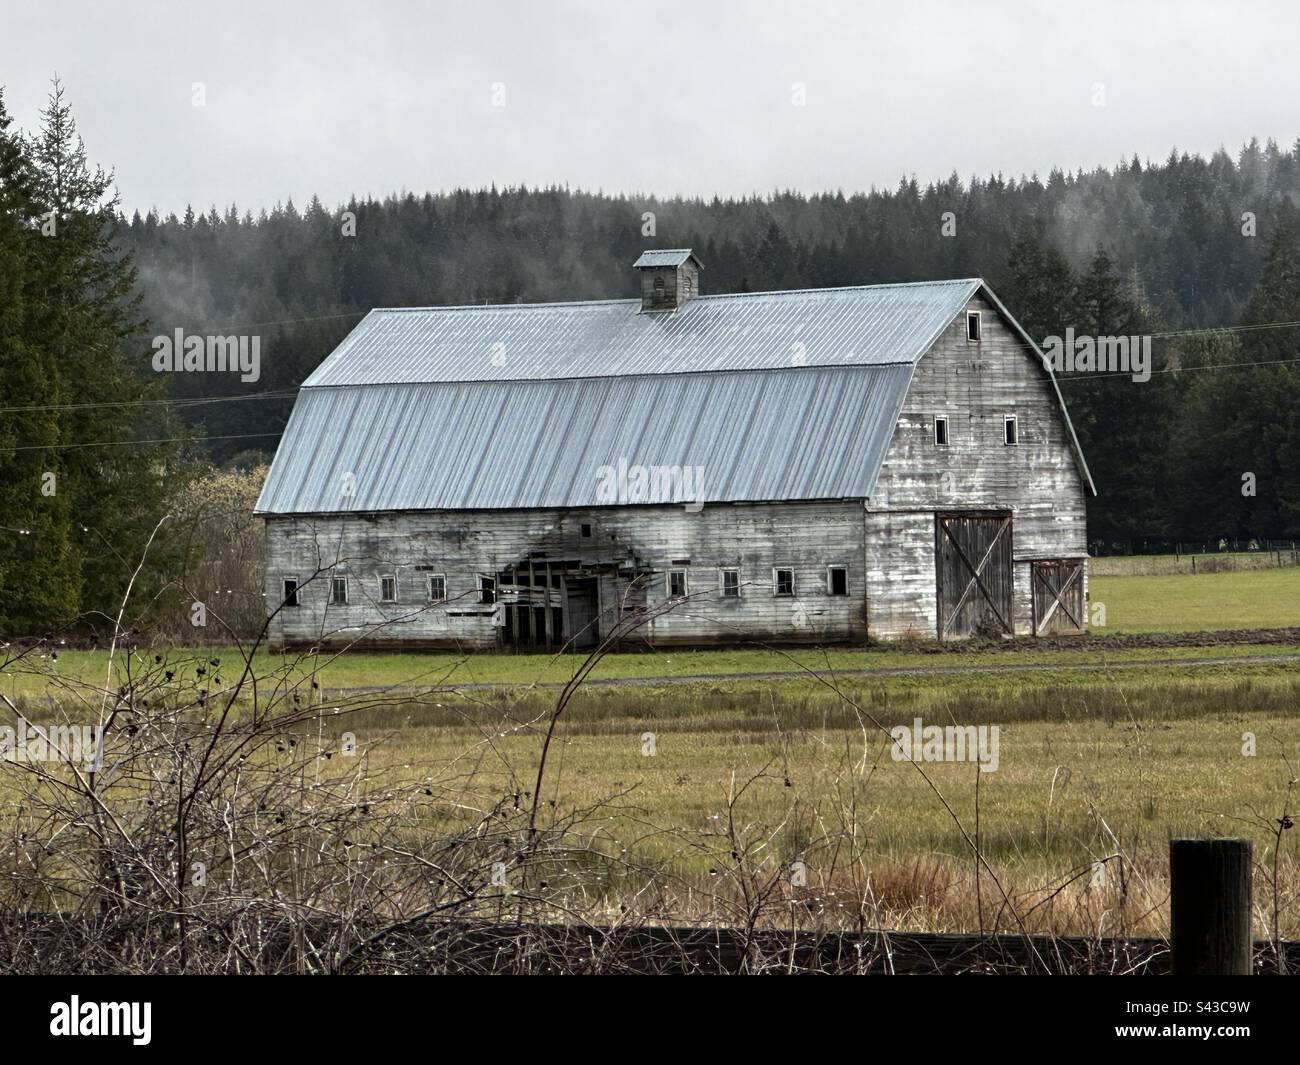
(1184,246)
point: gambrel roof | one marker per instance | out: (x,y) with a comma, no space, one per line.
(777,395)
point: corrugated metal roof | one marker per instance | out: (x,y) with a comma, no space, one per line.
(666,257)
(815,433)
(867,326)
(520,406)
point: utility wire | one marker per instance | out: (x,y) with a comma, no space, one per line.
(1224,329)
(288,393)
(128,443)
(263,325)
(1088,375)
(184,401)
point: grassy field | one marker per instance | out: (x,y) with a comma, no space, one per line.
(1093,766)
(677,779)
(357,670)
(1066,794)
(1244,599)
(1090,769)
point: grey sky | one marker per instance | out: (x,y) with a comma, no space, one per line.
(336,98)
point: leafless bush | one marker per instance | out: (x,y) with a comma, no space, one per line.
(221,545)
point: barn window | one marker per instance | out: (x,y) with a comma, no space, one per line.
(972,325)
(783,582)
(487,589)
(388,589)
(437,587)
(676,584)
(837,580)
(1010,431)
(941,432)
(586,529)
(291,591)
(338,591)
(731,584)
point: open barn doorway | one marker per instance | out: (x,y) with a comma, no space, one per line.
(546,605)
(974,574)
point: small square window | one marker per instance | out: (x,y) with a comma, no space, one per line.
(972,325)
(437,588)
(487,589)
(941,431)
(677,584)
(291,591)
(731,584)
(388,589)
(1010,430)
(586,530)
(837,580)
(338,591)
(783,582)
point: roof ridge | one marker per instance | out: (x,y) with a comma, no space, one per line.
(710,296)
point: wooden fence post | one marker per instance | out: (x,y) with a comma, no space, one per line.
(1209,907)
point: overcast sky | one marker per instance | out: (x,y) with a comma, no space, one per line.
(381,96)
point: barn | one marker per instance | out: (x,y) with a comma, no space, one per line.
(828,465)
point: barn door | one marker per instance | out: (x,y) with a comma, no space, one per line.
(973,553)
(1058,596)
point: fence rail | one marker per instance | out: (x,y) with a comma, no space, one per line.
(32,944)
(1194,557)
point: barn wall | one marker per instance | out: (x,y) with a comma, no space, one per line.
(755,538)
(975,384)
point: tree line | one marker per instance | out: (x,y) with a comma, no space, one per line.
(1182,246)
(1177,249)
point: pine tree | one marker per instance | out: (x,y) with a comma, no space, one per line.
(1039,288)
(1121,423)
(85,312)
(1260,433)
(39,573)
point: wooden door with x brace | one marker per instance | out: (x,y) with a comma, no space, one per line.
(974,574)
(1058,596)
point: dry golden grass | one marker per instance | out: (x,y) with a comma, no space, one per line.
(709,797)
(1088,773)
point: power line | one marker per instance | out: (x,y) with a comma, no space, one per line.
(1086,375)
(287,393)
(128,443)
(185,401)
(263,325)
(1224,329)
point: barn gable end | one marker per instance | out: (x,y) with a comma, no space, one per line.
(1041,482)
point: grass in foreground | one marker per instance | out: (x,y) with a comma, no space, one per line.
(679,779)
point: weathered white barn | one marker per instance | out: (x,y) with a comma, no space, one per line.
(829,465)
